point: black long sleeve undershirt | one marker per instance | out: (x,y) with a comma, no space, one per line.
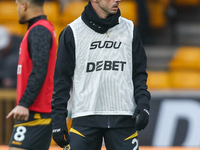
(64,70)
(141,93)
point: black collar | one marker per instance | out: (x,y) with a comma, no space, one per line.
(35,19)
(90,18)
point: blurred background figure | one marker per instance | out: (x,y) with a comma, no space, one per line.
(9,52)
(171,13)
(62,4)
(143,22)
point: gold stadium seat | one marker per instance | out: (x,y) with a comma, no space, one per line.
(157,13)
(184,79)
(186,58)
(51,9)
(165,2)
(187,2)
(129,10)
(8,11)
(158,80)
(72,10)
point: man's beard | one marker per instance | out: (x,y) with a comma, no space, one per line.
(22,22)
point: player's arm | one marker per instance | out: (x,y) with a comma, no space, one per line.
(64,71)
(39,45)
(142,95)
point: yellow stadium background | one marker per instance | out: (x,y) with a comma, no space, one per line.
(183,65)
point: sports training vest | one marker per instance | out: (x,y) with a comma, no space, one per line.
(42,102)
(102,81)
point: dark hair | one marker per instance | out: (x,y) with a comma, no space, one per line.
(37,2)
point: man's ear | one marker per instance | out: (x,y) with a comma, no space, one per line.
(25,6)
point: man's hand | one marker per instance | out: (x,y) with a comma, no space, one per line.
(141,115)
(19,113)
(61,136)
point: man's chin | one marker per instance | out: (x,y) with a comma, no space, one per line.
(21,22)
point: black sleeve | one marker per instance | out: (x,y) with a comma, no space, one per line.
(64,71)
(141,93)
(39,45)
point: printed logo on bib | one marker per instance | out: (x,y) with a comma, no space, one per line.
(19,69)
(105,65)
(105,44)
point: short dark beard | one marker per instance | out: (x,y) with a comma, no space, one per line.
(20,22)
